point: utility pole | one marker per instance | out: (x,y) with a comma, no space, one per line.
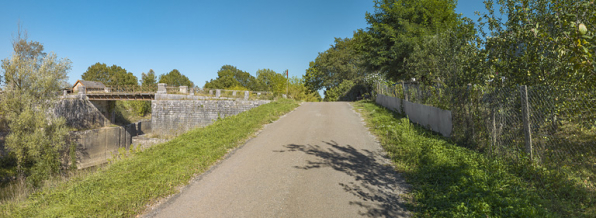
(288,81)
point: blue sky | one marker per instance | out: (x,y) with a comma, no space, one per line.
(195,37)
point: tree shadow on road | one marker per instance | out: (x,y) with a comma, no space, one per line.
(377,183)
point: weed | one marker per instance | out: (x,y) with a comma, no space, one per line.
(453,181)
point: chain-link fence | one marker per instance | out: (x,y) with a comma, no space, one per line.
(552,126)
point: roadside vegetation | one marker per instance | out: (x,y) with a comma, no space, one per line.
(127,186)
(36,141)
(454,181)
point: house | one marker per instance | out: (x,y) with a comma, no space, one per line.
(90,86)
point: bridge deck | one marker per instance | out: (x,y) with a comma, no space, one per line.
(120,96)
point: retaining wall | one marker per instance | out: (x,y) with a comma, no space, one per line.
(81,113)
(96,146)
(435,119)
(171,117)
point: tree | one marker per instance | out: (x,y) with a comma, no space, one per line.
(299,91)
(338,63)
(543,42)
(271,81)
(32,81)
(396,27)
(449,58)
(109,76)
(148,79)
(175,78)
(148,83)
(229,76)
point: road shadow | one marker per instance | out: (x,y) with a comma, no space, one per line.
(377,184)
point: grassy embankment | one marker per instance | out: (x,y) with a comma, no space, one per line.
(453,181)
(126,187)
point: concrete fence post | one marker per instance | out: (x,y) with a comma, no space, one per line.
(161,88)
(246,94)
(234,93)
(493,141)
(217,93)
(210,92)
(405,89)
(526,117)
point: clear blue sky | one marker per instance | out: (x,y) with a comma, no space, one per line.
(195,37)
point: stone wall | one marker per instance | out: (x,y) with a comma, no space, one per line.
(81,113)
(432,118)
(171,117)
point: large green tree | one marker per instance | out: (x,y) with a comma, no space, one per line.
(32,81)
(396,27)
(175,78)
(450,58)
(542,42)
(109,76)
(271,81)
(229,76)
(148,79)
(338,63)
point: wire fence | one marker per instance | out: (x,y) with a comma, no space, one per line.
(552,126)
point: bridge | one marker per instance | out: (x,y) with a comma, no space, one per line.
(147,93)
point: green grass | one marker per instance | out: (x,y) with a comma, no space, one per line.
(453,181)
(126,187)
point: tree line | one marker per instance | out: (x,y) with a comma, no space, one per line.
(117,76)
(516,42)
(232,78)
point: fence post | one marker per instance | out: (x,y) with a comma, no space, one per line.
(403,86)
(526,118)
(494,131)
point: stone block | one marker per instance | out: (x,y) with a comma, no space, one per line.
(184,89)
(161,88)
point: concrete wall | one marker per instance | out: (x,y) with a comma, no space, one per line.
(81,113)
(435,119)
(96,146)
(171,117)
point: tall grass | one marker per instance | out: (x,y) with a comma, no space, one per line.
(126,187)
(454,181)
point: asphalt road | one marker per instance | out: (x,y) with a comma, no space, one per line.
(318,161)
